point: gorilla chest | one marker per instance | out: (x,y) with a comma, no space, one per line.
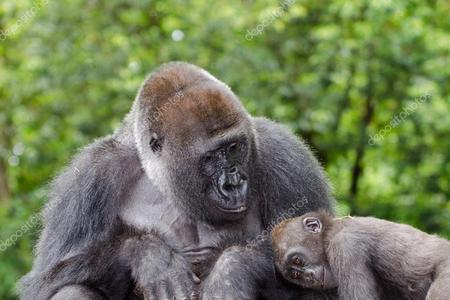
(147,210)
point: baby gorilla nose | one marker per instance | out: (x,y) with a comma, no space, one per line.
(309,274)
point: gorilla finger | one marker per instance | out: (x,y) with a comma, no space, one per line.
(195,296)
(195,279)
(185,285)
(216,295)
(150,294)
(163,291)
(182,293)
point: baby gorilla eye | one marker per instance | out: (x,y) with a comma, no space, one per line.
(295,274)
(298,261)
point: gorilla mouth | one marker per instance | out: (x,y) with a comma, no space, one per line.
(237,209)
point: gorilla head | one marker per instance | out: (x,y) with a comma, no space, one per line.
(195,141)
(300,250)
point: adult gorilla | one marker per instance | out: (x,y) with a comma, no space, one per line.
(162,209)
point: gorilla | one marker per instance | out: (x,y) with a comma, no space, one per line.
(365,257)
(167,206)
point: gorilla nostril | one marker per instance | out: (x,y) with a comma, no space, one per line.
(233,170)
(228,187)
(233,177)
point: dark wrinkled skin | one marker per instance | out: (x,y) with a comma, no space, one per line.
(366,258)
(163,208)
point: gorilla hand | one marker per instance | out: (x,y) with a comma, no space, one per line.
(236,275)
(160,272)
(177,282)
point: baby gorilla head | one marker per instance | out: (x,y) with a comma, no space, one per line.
(299,250)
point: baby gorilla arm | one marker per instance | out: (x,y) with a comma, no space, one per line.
(160,273)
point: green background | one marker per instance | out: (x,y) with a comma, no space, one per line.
(336,72)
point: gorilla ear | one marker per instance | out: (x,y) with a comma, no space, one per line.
(312,224)
(155,143)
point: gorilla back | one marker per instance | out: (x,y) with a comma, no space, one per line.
(162,209)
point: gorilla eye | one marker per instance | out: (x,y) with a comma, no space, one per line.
(312,224)
(208,157)
(155,144)
(233,148)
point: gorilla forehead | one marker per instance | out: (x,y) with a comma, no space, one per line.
(185,102)
(203,111)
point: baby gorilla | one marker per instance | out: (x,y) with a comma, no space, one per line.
(366,258)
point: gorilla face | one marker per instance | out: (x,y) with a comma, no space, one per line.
(224,171)
(211,174)
(200,148)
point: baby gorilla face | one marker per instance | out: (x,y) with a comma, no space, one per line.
(297,267)
(299,252)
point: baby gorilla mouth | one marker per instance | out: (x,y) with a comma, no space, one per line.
(232,186)
(306,275)
(308,278)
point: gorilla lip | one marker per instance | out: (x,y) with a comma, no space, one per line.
(238,209)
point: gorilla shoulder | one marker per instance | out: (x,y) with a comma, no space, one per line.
(288,171)
(99,175)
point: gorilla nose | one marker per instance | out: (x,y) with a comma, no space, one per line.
(234,178)
(232,183)
(233,170)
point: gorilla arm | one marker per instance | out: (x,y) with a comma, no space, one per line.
(77,246)
(159,271)
(237,274)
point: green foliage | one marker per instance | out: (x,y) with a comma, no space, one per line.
(337,72)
